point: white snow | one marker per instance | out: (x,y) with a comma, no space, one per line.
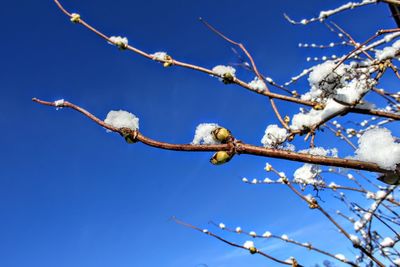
(340,257)
(159,56)
(301,121)
(306,175)
(388,52)
(119,41)
(248,244)
(59,102)
(379,146)
(320,151)
(257,84)
(333,185)
(354,90)
(323,79)
(387,242)
(203,134)
(253,234)
(274,135)
(267,234)
(122,119)
(355,239)
(222,70)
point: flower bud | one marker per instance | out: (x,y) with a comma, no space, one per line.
(129,136)
(75,18)
(167,64)
(253,250)
(221,134)
(168,61)
(220,157)
(227,78)
(318,106)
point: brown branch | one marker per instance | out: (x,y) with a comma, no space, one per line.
(255,69)
(239,147)
(291,241)
(235,80)
(229,242)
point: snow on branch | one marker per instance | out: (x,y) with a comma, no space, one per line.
(323,15)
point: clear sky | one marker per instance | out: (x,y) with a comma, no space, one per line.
(73,195)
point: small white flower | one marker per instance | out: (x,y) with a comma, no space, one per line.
(222,226)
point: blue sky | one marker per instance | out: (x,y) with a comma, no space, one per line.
(73,195)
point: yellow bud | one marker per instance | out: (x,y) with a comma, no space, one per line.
(221,134)
(338,133)
(295,94)
(227,78)
(75,18)
(253,250)
(268,167)
(128,135)
(313,204)
(318,106)
(167,64)
(220,157)
(286,119)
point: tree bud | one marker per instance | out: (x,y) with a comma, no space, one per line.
(220,157)
(221,134)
